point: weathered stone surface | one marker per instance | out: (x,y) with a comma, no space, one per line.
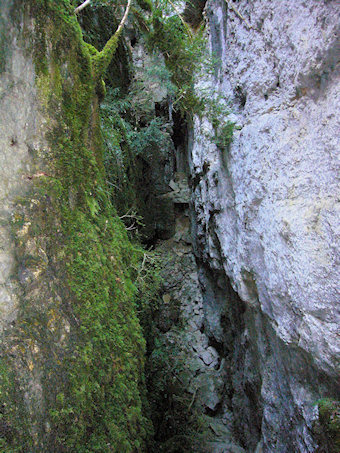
(267,210)
(19,126)
(196,375)
(181,193)
(50,152)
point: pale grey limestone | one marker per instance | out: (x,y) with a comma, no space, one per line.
(267,209)
(19,128)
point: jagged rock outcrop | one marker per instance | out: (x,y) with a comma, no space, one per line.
(266,210)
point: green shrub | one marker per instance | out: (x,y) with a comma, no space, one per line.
(224,135)
(130,133)
(327,428)
(184,51)
(217,111)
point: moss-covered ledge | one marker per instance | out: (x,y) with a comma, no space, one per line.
(72,363)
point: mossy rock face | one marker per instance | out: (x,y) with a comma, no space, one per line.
(327,427)
(72,368)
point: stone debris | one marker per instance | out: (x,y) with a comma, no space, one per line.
(181,193)
(166,298)
(204,372)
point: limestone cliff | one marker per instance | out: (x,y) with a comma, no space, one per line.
(266,212)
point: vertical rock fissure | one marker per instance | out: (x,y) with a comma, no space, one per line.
(195,328)
(237,211)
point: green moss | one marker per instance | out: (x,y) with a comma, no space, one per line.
(327,429)
(102,60)
(78,310)
(93,51)
(13,418)
(98,23)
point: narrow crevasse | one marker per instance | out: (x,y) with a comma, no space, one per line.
(168,238)
(187,368)
(263,176)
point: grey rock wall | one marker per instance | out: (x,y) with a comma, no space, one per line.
(187,368)
(19,129)
(22,129)
(267,210)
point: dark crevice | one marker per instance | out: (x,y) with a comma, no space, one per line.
(193,13)
(217,346)
(240,96)
(179,129)
(242,396)
(161,109)
(194,182)
(216,411)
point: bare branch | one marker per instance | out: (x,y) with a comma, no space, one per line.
(82,6)
(229,3)
(193,399)
(122,22)
(182,20)
(103,59)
